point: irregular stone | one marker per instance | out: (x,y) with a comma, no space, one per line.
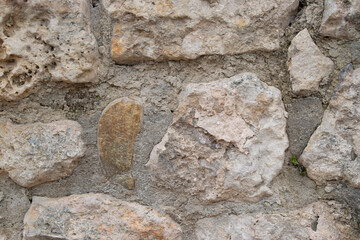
(96,216)
(308,67)
(304,117)
(317,221)
(226,142)
(341,19)
(36,153)
(179,29)
(119,124)
(333,150)
(44,40)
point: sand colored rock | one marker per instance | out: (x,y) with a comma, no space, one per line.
(341,19)
(119,124)
(318,221)
(36,153)
(42,41)
(333,150)
(96,216)
(169,29)
(226,142)
(308,67)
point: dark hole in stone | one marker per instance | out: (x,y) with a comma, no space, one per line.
(302,4)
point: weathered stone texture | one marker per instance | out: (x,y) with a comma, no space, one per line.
(96,216)
(179,29)
(305,116)
(341,19)
(333,150)
(226,142)
(36,153)
(318,221)
(308,67)
(44,40)
(119,124)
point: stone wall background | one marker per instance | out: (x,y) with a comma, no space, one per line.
(157,85)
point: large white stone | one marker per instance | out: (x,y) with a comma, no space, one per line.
(45,40)
(307,65)
(226,142)
(96,216)
(318,221)
(341,19)
(36,153)
(182,29)
(333,150)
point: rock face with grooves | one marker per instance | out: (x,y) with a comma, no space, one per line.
(119,124)
(333,150)
(181,29)
(341,19)
(36,153)
(308,67)
(42,41)
(318,221)
(96,216)
(226,142)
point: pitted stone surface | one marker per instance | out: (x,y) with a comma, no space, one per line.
(308,67)
(333,150)
(42,41)
(318,221)
(179,29)
(36,153)
(341,19)
(96,216)
(226,142)
(119,124)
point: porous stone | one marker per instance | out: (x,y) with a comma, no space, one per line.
(96,216)
(42,41)
(304,117)
(119,124)
(308,67)
(333,150)
(180,29)
(226,142)
(341,19)
(318,221)
(36,153)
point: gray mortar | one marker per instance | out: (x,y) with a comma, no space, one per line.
(158,85)
(304,117)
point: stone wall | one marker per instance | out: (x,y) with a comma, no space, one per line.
(164,119)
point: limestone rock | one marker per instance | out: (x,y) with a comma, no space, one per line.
(181,29)
(96,216)
(341,19)
(333,150)
(44,40)
(307,65)
(318,221)
(119,124)
(226,142)
(36,153)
